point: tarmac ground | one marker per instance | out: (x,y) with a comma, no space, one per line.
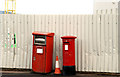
(29,74)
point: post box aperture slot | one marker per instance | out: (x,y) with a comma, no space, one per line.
(66,42)
(40,40)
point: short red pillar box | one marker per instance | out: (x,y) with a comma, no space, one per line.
(42,52)
(68,55)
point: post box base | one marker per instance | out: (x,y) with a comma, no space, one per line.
(69,70)
(43,73)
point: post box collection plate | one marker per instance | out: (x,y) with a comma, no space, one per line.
(66,47)
(40,51)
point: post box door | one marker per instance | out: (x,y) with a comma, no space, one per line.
(39,59)
(68,53)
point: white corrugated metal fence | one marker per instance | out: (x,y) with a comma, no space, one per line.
(96,44)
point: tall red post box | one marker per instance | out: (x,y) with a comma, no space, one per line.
(42,52)
(68,55)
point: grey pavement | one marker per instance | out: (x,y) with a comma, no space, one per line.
(29,74)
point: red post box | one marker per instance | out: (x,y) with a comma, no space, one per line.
(68,55)
(42,52)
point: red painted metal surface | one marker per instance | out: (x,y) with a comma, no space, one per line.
(43,33)
(68,37)
(42,62)
(38,60)
(68,53)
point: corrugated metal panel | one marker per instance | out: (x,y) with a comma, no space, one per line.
(96,44)
(5,42)
(79,43)
(106,11)
(115,41)
(102,39)
(1,39)
(90,42)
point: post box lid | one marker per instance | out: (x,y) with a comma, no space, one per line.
(68,37)
(43,33)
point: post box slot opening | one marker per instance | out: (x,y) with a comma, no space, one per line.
(40,40)
(66,42)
